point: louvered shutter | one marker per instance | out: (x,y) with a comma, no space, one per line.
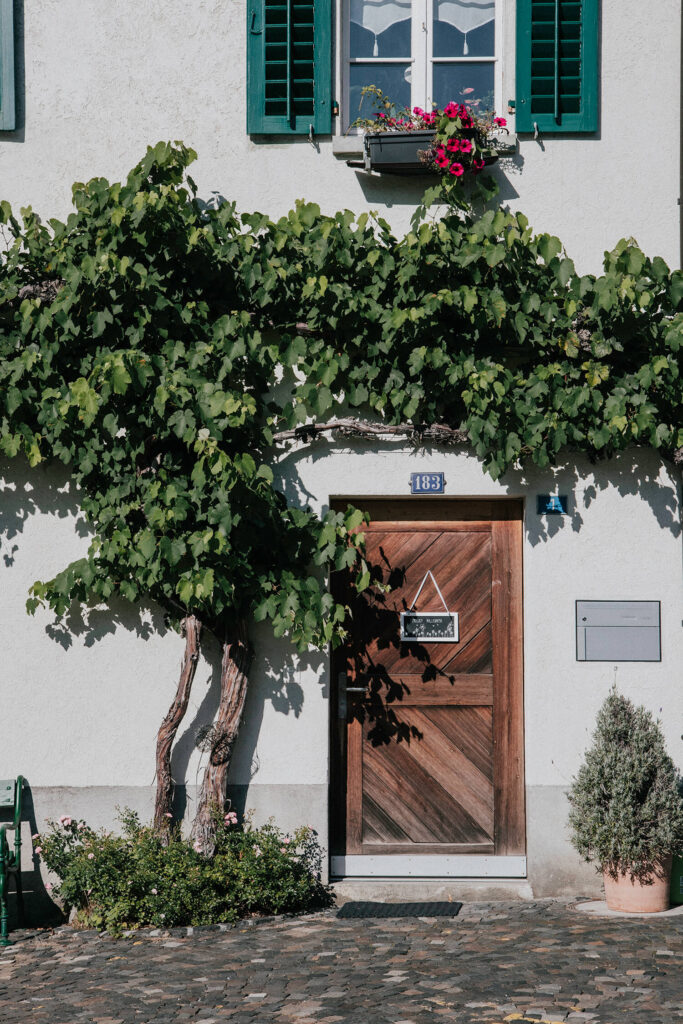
(7,119)
(289,66)
(557,65)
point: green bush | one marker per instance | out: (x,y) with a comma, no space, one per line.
(626,812)
(141,878)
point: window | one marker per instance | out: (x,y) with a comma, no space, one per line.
(421,52)
(7,119)
(418,52)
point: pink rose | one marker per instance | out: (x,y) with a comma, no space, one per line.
(39,849)
(154,891)
(91,856)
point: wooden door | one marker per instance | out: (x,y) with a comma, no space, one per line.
(428,736)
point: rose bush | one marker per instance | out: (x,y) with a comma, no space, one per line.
(138,878)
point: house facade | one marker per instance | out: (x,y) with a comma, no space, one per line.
(523,599)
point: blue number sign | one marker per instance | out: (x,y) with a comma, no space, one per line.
(426,483)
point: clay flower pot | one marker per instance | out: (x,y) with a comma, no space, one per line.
(635,896)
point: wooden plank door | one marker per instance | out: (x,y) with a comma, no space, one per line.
(428,736)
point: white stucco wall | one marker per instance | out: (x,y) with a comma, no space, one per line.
(86,704)
(98,82)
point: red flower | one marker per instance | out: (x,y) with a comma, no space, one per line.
(465,146)
(500,121)
(453,146)
(451,110)
(457,170)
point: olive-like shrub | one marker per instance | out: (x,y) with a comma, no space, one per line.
(626,812)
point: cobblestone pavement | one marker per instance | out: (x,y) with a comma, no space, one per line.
(495,962)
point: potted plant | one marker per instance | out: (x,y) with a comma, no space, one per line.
(626,812)
(456,140)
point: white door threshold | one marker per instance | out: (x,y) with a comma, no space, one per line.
(427,866)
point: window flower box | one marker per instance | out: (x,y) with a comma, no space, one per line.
(403,153)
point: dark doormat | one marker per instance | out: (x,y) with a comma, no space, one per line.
(363,909)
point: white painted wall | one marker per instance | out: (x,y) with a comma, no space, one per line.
(100,81)
(86,704)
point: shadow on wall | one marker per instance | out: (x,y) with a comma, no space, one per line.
(25,493)
(635,472)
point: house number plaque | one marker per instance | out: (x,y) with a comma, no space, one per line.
(427,483)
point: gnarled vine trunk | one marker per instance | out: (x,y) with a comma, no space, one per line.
(234,678)
(192,629)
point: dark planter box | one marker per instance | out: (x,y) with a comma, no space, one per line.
(397,152)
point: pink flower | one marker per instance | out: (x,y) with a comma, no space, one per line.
(66,820)
(168,814)
(283,849)
(451,110)
(466,92)
(465,146)
(230,818)
(457,170)
(500,121)
(286,840)
(154,891)
(39,849)
(453,146)
(36,836)
(91,856)
(478,164)
(48,886)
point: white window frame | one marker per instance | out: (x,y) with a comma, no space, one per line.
(422,15)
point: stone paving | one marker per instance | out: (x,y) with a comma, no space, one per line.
(496,962)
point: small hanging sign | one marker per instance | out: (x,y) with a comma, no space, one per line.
(429,627)
(427,483)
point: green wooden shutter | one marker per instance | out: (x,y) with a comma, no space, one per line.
(289,67)
(557,65)
(7,118)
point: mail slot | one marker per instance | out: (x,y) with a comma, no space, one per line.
(618,631)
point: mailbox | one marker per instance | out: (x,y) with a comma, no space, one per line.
(618,631)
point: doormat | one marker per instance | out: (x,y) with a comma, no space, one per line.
(363,909)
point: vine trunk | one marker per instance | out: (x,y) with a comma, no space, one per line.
(235,664)
(191,628)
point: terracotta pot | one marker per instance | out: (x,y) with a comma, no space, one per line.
(632,896)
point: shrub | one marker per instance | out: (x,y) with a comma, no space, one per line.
(626,812)
(140,878)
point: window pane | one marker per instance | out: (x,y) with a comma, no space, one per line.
(390,78)
(380,28)
(471,82)
(464,28)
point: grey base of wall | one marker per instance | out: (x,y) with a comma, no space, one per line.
(554,868)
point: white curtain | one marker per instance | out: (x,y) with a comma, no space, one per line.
(465,15)
(378,15)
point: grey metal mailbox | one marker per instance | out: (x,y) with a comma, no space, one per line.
(618,631)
